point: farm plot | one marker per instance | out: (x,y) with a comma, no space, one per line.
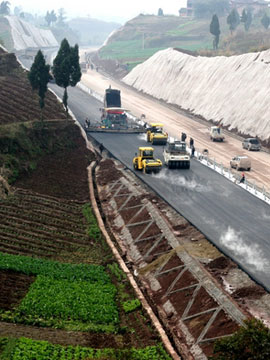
(28,349)
(43,226)
(63,295)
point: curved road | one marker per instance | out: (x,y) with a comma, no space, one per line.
(230,217)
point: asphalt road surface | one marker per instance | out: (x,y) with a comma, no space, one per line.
(231,218)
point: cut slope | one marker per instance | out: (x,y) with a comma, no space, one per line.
(231,91)
(27,35)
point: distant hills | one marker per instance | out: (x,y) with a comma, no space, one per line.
(92,31)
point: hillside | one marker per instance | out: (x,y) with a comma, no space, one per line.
(230,91)
(92,31)
(144,35)
(62,295)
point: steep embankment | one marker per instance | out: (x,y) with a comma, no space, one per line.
(232,91)
(26,35)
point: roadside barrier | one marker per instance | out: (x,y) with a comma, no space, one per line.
(256,190)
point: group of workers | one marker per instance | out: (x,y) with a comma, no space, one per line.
(191,143)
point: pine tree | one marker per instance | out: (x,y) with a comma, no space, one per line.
(233,19)
(246,18)
(39,77)
(215,30)
(265,21)
(66,68)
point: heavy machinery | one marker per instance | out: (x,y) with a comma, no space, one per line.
(113,115)
(146,162)
(114,119)
(176,155)
(156,134)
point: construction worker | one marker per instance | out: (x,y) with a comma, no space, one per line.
(243,178)
(87,123)
(101,148)
(183,136)
(191,142)
(192,151)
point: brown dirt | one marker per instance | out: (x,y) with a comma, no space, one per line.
(13,287)
(249,292)
(61,174)
(16,95)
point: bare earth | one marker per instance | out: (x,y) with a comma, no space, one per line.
(176,122)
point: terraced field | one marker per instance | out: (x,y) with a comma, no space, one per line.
(43,226)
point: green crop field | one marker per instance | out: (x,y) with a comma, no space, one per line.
(27,349)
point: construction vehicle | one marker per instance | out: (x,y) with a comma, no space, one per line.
(156,135)
(216,133)
(146,162)
(176,155)
(113,116)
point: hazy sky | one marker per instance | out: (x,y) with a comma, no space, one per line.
(102,9)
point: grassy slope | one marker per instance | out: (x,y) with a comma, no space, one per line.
(144,35)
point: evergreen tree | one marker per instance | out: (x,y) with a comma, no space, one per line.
(39,77)
(215,30)
(246,18)
(249,342)
(265,21)
(233,19)
(4,7)
(66,68)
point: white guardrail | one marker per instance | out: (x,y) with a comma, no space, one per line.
(258,191)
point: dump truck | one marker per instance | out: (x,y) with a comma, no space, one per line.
(176,156)
(216,134)
(156,134)
(146,162)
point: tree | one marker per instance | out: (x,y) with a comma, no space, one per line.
(160,12)
(50,17)
(39,77)
(233,19)
(265,21)
(17,10)
(246,18)
(4,7)
(61,17)
(66,68)
(250,342)
(215,30)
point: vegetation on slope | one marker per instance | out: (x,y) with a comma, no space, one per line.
(144,35)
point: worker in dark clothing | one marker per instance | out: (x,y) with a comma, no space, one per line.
(192,151)
(191,142)
(101,148)
(87,123)
(243,178)
(183,136)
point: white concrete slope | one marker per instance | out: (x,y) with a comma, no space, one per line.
(234,91)
(26,35)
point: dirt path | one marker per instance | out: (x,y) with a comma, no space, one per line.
(175,122)
(61,337)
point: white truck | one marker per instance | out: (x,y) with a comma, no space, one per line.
(216,134)
(176,156)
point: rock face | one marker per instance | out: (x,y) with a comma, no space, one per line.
(26,35)
(233,91)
